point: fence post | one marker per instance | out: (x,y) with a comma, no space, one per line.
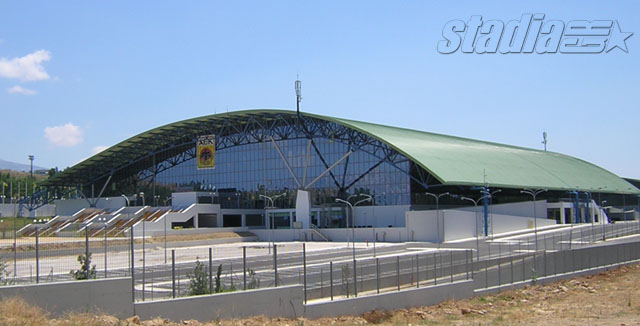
(355,279)
(210,270)
(524,275)
(37,256)
(417,271)
(331,279)
(435,269)
(451,262)
(466,262)
(173,273)
(511,265)
(275,265)
(105,250)
(244,266)
(544,260)
(499,264)
(322,282)
(304,269)
(133,277)
(398,271)
(86,249)
(377,275)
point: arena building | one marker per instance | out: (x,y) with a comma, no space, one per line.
(307,175)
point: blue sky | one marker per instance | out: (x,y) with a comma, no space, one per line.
(95,73)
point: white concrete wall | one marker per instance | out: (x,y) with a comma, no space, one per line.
(460,224)
(513,209)
(380,216)
(111,296)
(284,301)
(192,211)
(506,223)
(425,225)
(183,199)
(392,300)
(8,210)
(69,207)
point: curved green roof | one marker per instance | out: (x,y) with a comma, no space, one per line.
(452,160)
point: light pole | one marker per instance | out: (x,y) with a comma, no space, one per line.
(372,199)
(31,157)
(271,199)
(353,232)
(534,194)
(475,203)
(437,198)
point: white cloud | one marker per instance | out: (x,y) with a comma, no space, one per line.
(21,90)
(67,135)
(27,68)
(98,149)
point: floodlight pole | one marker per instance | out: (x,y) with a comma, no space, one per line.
(372,199)
(475,203)
(271,199)
(534,193)
(353,232)
(437,198)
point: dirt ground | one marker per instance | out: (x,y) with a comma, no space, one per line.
(54,243)
(610,298)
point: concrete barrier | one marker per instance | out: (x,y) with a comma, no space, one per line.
(393,300)
(112,296)
(283,301)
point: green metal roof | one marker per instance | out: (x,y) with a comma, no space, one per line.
(452,160)
(462,161)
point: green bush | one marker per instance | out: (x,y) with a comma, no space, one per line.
(86,271)
(198,280)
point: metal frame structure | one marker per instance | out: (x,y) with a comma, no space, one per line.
(144,156)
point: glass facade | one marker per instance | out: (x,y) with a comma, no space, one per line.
(244,172)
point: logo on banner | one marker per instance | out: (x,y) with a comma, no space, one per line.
(206,152)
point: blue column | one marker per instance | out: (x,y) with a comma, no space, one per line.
(485,204)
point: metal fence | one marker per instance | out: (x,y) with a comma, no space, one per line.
(163,271)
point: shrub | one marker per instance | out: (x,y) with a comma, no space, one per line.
(198,280)
(86,271)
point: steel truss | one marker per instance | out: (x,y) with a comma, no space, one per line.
(164,149)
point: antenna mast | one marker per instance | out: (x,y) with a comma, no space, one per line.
(544,140)
(298,86)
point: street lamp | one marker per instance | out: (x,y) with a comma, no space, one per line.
(372,199)
(534,193)
(271,199)
(437,198)
(475,203)
(353,232)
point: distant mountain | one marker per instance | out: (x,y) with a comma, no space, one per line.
(6,165)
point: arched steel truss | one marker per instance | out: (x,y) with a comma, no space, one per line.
(161,150)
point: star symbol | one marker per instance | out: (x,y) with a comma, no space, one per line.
(617,39)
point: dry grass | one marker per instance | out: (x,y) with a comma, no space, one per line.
(607,299)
